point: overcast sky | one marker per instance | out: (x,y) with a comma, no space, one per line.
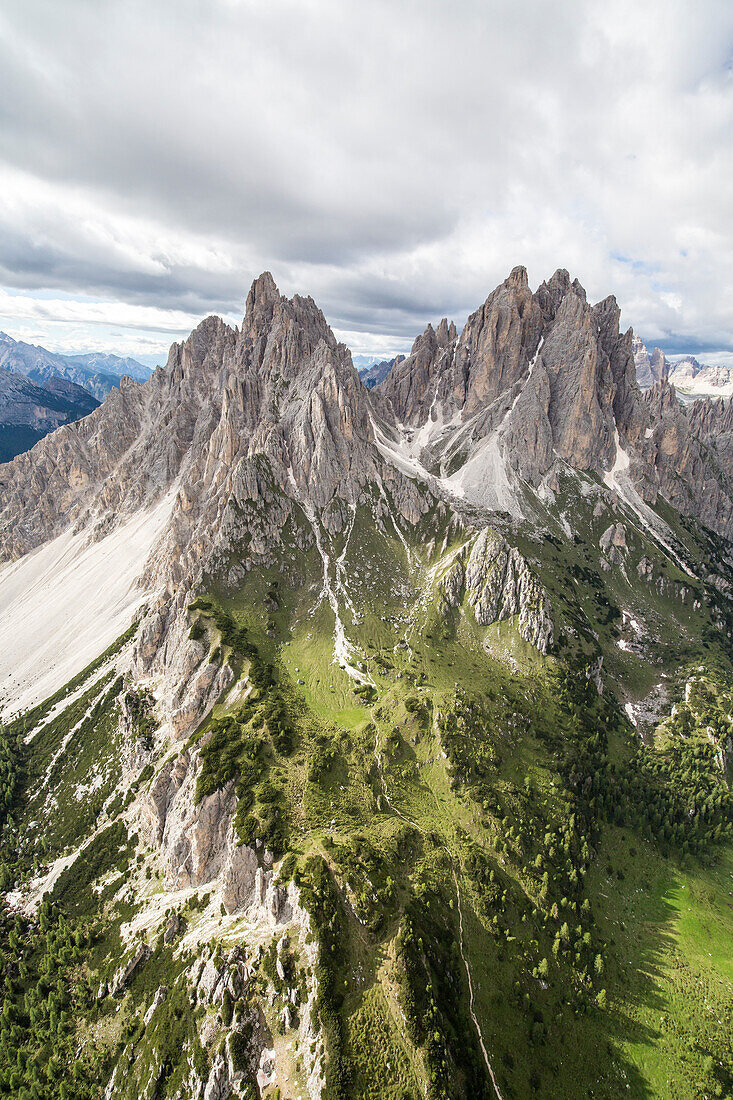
(393,159)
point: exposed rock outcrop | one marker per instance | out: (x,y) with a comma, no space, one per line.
(498,586)
(140,955)
(613,542)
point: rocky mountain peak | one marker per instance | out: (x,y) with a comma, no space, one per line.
(199,350)
(518,276)
(278,332)
(492,353)
(533,378)
(687,361)
(498,342)
(445,333)
(649,369)
(261,301)
(552,293)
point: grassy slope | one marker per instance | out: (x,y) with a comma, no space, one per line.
(572,1061)
(393,835)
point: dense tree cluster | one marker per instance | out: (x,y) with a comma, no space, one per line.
(675,796)
(234,636)
(140,703)
(242,746)
(11,756)
(370,873)
(45,990)
(320,897)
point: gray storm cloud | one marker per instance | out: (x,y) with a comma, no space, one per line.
(395,160)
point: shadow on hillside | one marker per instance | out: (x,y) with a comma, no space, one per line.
(583,1055)
(636,977)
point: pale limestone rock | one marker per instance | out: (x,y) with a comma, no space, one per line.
(210,987)
(140,956)
(451,583)
(500,586)
(613,537)
(171,929)
(218,1085)
(267,1072)
(158,1000)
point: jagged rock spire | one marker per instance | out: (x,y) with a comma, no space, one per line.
(261,301)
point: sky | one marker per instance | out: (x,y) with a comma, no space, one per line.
(392,159)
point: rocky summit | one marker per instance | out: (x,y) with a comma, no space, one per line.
(372,741)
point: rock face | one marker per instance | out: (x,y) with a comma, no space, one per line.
(244,423)
(692,456)
(499,585)
(140,956)
(538,380)
(613,542)
(649,368)
(250,429)
(531,377)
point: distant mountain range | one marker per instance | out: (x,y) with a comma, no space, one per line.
(29,410)
(97,371)
(40,390)
(689,377)
(376,373)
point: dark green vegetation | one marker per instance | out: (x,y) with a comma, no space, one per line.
(46,988)
(541,775)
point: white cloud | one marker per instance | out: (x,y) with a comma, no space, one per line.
(72,325)
(71,340)
(395,159)
(26,307)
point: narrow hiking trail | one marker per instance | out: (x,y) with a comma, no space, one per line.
(461,941)
(470,982)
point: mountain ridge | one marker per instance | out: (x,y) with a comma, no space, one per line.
(534,382)
(535,385)
(359,731)
(97,372)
